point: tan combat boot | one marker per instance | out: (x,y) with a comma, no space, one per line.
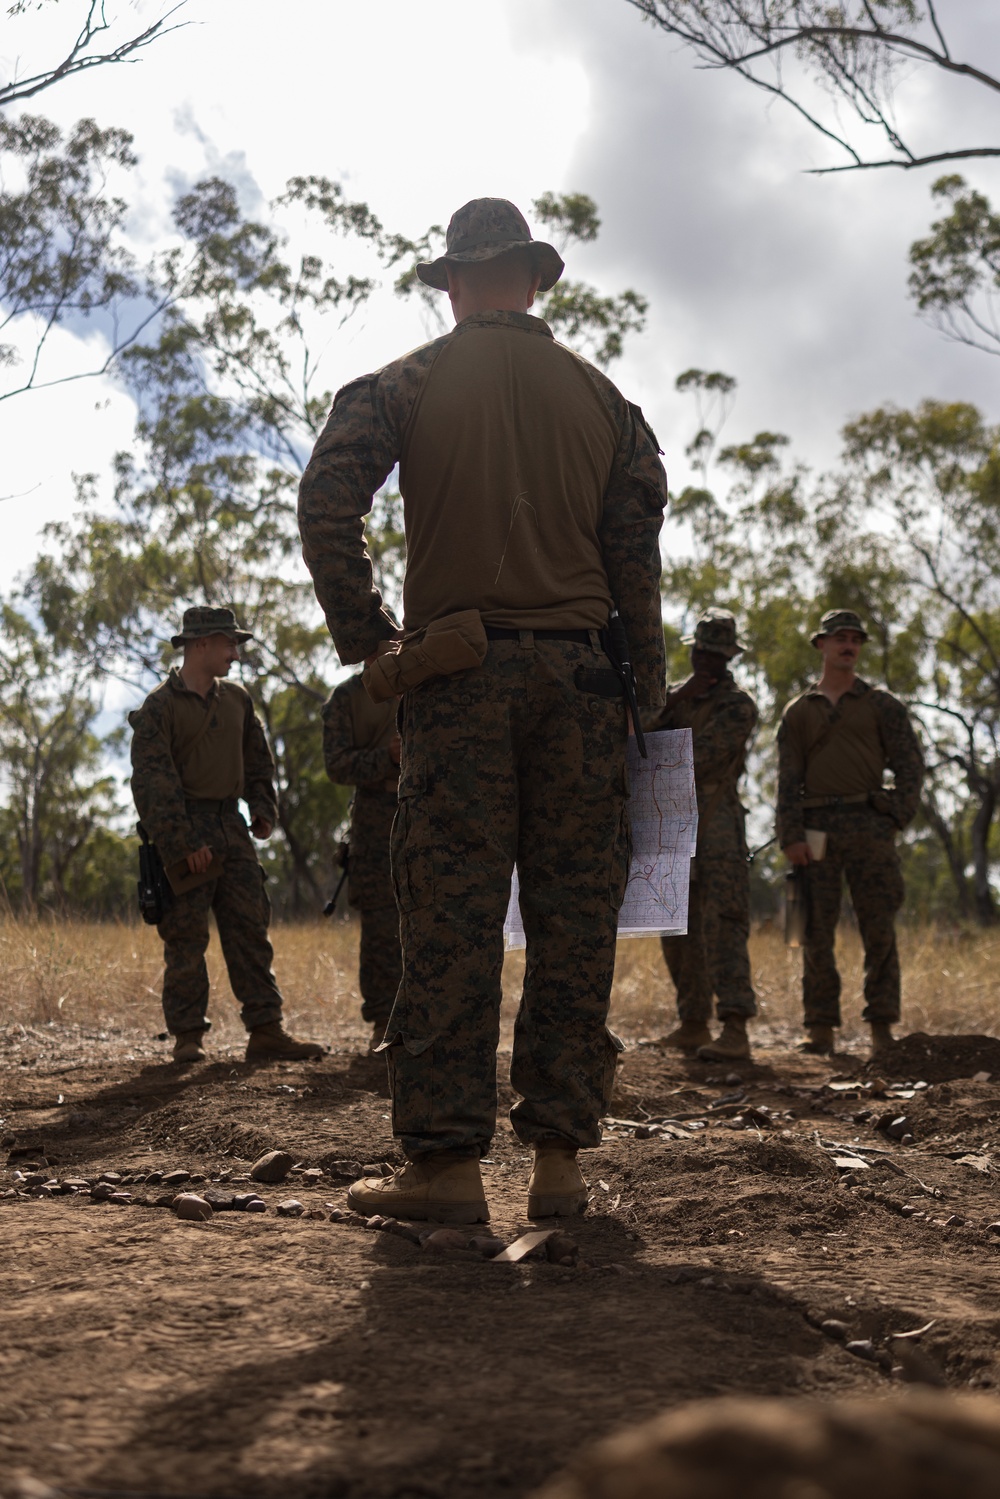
(882,1038)
(272,1043)
(688,1036)
(188,1047)
(556,1188)
(732,1044)
(444,1187)
(819,1041)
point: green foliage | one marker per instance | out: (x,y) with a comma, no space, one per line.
(956,269)
(61,250)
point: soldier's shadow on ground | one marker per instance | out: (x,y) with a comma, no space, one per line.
(455,1378)
(95,1124)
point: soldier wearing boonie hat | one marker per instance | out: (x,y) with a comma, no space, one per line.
(198,748)
(712,957)
(835,743)
(533,498)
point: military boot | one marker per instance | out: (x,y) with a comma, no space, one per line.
(188,1047)
(556,1188)
(882,1038)
(732,1044)
(688,1036)
(819,1041)
(272,1043)
(445,1187)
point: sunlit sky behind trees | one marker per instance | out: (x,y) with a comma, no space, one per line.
(794,284)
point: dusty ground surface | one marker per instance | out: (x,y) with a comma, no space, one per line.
(262,1355)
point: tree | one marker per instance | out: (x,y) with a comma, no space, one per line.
(84,52)
(61,242)
(230,400)
(820,57)
(58,790)
(956,269)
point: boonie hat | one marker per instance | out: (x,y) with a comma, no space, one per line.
(483,229)
(839,619)
(202,621)
(716,631)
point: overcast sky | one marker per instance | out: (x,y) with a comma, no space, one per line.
(794,284)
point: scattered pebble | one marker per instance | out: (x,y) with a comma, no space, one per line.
(863,1348)
(192,1207)
(443,1240)
(835,1329)
(272,1167)
(176,1178)
(290,1208)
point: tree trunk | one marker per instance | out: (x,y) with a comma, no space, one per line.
(953,851)
(985,907)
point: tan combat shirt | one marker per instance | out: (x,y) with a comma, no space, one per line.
(508,526)
(533,492)
(189,748)
(873,733)
(357,734)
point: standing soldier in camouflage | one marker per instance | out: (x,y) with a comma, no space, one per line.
(533,499)
(361,748)
(712,957)
(835,743)
(197,749)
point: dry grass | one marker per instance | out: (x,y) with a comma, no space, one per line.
(107,976)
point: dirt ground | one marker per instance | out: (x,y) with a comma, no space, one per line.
(284,1357)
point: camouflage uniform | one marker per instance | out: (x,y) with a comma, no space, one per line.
(357,734)
(180,823)
(511,760)
(861,825)
(712,957)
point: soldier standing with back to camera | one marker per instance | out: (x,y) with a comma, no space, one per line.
(712,957)
(533,498)
(835,743)
(361,748)
(198,748)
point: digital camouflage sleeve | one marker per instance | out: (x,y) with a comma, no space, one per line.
(156,784)
(347,765)
(258,769)
(904,758)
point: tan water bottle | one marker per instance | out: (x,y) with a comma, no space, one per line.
(795,907)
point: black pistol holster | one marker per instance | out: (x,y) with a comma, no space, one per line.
(155,894)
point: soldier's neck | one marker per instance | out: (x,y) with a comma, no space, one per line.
(835,681)
(197,680)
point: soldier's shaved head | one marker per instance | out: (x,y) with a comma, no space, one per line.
(507,283)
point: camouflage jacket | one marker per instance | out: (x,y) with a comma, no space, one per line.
(363,440)
(357,734)
(173,762)
(722,724)
(875,735)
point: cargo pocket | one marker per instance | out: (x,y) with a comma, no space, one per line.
(412,855)
(613,1047)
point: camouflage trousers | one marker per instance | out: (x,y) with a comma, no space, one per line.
(712,958)
(861,846)
(380,965)
(242,913)
(507,763)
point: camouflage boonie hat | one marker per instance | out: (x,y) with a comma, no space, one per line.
(202,621)
(484,229)
(716,631)
(839,619)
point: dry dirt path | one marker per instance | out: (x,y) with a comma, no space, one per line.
(280,1357)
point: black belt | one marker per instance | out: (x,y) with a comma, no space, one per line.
(201,804)
(499,632)
(815,803)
